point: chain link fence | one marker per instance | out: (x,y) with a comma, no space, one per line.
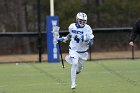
(109,43)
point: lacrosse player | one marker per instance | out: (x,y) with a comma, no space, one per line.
(81,37)
(135,32)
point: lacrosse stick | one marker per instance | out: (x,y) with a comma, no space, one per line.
(56,36)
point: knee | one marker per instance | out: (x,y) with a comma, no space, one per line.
(75,64)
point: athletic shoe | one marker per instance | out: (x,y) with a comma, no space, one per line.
(73,86)
(78,72)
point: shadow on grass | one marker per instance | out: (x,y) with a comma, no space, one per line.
(130,81)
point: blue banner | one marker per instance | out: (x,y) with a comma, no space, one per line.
(52,46)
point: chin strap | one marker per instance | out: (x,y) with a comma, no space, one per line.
(78,25)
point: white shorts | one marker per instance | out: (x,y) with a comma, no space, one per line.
(80,57)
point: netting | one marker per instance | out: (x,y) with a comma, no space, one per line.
(21,49)
(107,45)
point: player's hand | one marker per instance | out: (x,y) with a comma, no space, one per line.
(90,42)
(131,43)
(63,39)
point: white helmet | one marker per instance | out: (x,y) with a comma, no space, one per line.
(81,19)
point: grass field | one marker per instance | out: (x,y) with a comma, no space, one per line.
(104,76)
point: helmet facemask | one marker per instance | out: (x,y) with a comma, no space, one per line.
(81,19)
(81,22)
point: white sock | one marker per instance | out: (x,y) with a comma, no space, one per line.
(73,73)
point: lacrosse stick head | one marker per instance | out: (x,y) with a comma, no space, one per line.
(56,31)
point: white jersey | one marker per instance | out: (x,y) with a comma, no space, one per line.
(78,44)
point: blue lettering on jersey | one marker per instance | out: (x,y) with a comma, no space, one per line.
(77,32)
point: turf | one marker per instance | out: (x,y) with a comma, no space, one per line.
(104,76)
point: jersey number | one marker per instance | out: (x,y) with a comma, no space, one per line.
(76,39)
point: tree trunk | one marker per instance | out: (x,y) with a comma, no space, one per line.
(22,25)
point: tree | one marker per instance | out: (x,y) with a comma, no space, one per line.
(22,23)
(67,10)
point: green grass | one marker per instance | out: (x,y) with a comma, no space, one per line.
(105,76)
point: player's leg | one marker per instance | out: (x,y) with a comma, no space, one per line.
(73,72)
(81,61)
(80,66)
(68,59)
(72,58)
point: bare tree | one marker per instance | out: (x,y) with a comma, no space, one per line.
(22,23)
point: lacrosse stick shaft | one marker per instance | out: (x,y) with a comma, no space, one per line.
(61,53)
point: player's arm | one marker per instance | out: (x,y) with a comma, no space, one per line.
(68,36)
(90,40)
(132,38)
(64,39)
(91,37)
(134,33)
(88,37)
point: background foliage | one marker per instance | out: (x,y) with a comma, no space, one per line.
(101,13)
(21,16)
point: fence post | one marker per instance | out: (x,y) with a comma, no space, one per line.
(133,52)
(39,32)
(90,52)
